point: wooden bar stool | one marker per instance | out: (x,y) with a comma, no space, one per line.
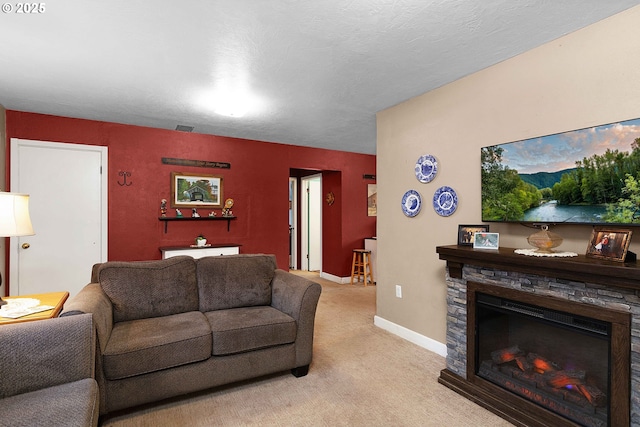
(361,266)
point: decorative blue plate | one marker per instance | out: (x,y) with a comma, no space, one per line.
(426,168)
(445,201)
(411,203)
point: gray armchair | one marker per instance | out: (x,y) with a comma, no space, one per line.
(47,373)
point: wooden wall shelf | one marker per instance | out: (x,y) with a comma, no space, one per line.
(166,220)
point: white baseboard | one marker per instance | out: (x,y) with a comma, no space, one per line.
(411,336)
(336,279)
(401,331)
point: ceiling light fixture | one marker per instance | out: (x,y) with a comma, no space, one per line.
(231,107)
(231,102)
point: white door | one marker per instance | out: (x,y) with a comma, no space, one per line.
(68,206)
(312,223)
(293,221)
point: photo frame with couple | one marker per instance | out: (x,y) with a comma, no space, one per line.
(609,244)
(466,233)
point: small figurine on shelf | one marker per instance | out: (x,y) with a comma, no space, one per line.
(201,240)
(178,213)
(194,213)
(228,204)
(212,213)
(163,208)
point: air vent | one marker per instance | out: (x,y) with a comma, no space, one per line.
(183,128)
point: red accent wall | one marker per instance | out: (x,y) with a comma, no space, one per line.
(257,181)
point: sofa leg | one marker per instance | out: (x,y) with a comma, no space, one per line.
(300,371)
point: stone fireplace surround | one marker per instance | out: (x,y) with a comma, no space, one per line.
(604,284)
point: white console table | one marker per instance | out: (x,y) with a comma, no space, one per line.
(199,252)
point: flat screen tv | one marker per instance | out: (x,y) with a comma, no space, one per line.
(585,176)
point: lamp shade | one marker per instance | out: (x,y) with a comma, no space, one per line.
(14,215)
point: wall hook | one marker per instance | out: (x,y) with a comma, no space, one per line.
(124,176)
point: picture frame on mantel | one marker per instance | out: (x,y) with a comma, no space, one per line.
(610,244)
(466,233)
(486,241)
(189,190)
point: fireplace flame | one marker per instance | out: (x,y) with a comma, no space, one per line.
(573,380)
(542,366)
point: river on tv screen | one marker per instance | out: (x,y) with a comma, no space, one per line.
(584,176)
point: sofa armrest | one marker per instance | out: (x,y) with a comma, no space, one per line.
(298,297)
(46,353)
(92,299)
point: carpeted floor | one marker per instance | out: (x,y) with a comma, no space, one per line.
(361,375)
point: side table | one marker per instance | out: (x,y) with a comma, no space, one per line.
(56,299)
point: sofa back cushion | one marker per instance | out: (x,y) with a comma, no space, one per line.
(233,281)
(144,289)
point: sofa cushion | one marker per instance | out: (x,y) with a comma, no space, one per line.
(148,345)
(233,281)
(249,328)
(143,289)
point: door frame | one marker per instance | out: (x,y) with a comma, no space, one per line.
(304,226)
(14,242)
(293,223)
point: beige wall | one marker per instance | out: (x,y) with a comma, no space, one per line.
(587,78)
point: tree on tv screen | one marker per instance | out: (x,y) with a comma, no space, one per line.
(505,196)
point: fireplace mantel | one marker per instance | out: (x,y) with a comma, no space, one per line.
(580,268)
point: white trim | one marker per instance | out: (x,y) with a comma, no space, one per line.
(293,212)
(308,246)
(409,335)
(335,279)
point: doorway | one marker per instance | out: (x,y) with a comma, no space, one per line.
(68,207)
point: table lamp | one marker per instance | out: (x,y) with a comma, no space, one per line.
(14,218)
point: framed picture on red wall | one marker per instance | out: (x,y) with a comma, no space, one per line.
(195,190)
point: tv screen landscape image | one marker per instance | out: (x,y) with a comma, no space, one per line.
(585,176)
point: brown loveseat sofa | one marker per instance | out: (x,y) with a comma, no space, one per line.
(180,325)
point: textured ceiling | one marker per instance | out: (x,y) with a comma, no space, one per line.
(311,73)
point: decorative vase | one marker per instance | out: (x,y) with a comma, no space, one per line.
(545,240)
(201,242)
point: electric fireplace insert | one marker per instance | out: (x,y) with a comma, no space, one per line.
(563,357)
(543,342)
(553,358)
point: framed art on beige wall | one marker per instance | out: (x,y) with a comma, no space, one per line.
(372,200)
